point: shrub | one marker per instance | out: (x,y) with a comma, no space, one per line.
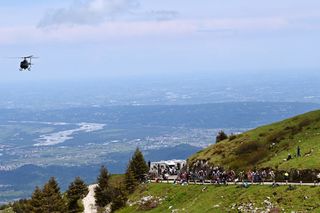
(257,156)
(248,147)
(276,136)
(232,137)
(262,134)
(304,123)
(221,136)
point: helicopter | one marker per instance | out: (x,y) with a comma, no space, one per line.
(26,63)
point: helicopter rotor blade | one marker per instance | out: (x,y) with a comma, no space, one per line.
(22,57)
(13,57)
(31,56)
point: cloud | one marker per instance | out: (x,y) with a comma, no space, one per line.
(162,15)
(92,12)
(269,23)
(107,31)
(120,30)
(88,12)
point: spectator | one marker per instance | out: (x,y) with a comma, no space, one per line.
(273,176)
(298,151)
(249,176)
(241,176)
(286,177)
(201,176)
(263,176)
(318,178)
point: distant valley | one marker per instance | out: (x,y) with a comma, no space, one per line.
(37,144)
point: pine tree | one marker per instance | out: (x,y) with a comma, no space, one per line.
(36,202)
(77,190)
(139,166)
(129,181)
(52,199)
(103,192)
(119,198)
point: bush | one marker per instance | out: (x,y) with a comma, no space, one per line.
(262,134)
(248,147)
(257,156)
(304,123)
(221,136)
(276,136)
(232,137)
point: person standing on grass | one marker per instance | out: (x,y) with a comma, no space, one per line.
(298,151)
(289,157)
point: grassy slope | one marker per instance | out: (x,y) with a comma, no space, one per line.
(221,198)
(254,148)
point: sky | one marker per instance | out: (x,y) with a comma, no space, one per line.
(81,39)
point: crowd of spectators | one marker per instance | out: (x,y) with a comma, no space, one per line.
(201,172)
(218,175)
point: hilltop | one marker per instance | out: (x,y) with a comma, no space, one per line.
(268,146)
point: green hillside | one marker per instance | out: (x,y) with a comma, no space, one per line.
(268,146)
(198,198)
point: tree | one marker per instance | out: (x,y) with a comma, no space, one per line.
(129,180)
(139,166)
(77,190)
(52,199)
(103,192)
(22,206)
(47,200)
(119,198)
(36,202)
(221,136)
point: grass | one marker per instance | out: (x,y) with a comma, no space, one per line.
(268,146)
(197,198)
(8,210)
(116,179)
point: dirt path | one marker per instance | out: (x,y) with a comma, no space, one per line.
(89,201)
(208,182)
